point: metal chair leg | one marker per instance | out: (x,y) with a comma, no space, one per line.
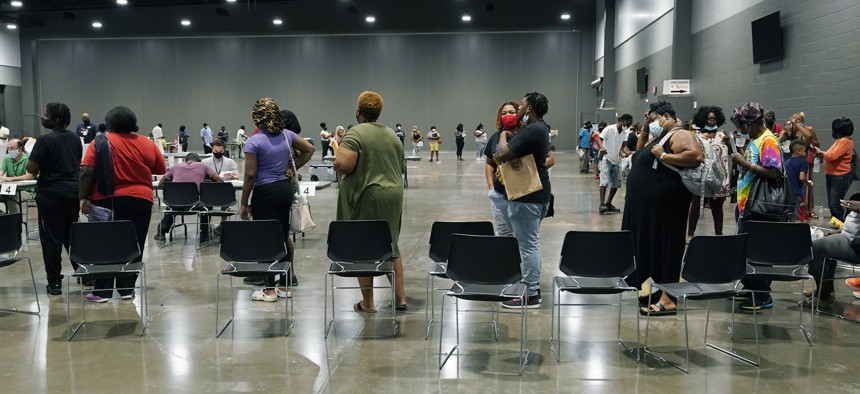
(443,357)
(553,328)
(428,318)
(35,291)
(144,301)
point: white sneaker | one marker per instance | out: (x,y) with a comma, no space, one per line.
(259,295)
(283,294)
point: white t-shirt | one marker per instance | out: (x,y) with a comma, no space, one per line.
(325,135)
(240,136)
(612,140)
(4,132)
(157,134)
(222,167)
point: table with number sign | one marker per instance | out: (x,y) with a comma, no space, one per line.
(13,188)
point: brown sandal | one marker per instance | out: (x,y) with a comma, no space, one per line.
(357,307)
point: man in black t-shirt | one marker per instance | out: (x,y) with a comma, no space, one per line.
(527,211)
(56,159)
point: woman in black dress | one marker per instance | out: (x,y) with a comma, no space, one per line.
(657,201)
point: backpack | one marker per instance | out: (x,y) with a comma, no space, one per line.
(707,178)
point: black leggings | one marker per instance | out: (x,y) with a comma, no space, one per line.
(716,209)
(273,201)
(139,212)
(460,143)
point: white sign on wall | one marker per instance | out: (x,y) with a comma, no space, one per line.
(676,87)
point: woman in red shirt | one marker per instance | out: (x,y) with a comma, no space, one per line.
(135,159)
(837,165)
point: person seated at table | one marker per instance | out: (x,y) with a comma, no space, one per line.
(225,167)
(836,245)
(14,168)
(191,170)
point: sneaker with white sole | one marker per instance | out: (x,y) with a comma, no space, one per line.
(94,298)
(127,296)
(283,294)
(259,295)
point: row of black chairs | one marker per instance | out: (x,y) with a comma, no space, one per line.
(483,267)
(487,268)
(212,199)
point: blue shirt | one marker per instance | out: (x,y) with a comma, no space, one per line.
(585,138)
(206,134)
(793,167)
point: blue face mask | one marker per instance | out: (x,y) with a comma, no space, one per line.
(655,129)
(833,134)
(526,119)
(710,128)
(13,154)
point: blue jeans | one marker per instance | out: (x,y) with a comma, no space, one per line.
(837,186)
(499,209)
(525,220)
(479,148)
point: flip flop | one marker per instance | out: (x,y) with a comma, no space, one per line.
(400,307)
(357,307)
(661,310)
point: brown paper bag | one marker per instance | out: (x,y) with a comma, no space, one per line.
(523,181)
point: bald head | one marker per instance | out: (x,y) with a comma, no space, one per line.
(85,117)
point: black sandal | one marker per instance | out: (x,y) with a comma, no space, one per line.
(358,308)
(660,310)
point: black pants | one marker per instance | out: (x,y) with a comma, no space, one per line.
(56,215)
(326,148)
(207,149)
(760,286)
(460,143)
(273,201)
(837,186)
(185,147)
(139,212)
(167,221)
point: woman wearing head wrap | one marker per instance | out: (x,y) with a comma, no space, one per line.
(657,202)
(370,159)
(762,158)
(268,173)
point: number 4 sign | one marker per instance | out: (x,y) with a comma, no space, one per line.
(308,189)
(8,189)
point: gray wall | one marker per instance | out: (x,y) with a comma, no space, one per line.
(438,79)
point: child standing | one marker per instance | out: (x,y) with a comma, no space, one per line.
(796,169)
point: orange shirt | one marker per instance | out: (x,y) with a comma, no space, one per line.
(135,159)
(837,159)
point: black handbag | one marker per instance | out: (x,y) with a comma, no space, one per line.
(770,201)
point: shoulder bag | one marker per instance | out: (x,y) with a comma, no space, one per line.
(300,212)
(104,179)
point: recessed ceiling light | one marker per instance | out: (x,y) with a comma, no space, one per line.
(185,22)
(17,4)
(565,16)
(278,21)
(122,2)
(370,19)
(97,25)
(231,1)
(11,26)
(466,18)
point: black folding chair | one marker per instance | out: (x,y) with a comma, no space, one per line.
(111,257)
(713,268)
(440,233)
(591,270)
(253,248)
(216,198)
(785,261)
(10,245)
(486,269)
(182,199)
(358,248)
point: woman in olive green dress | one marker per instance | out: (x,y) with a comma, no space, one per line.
(370,159)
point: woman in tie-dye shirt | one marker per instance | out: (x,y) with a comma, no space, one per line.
(762,158)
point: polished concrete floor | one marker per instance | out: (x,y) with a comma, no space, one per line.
(180,353)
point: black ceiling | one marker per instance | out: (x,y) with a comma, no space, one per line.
(73,18)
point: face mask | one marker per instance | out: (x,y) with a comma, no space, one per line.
(655,129)
(833,134)
(218,155)
(509,121)
(526,119)
(14,154)
(710,128)
(46,123)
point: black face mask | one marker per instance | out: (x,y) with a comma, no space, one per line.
(46,123)
(218,155)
